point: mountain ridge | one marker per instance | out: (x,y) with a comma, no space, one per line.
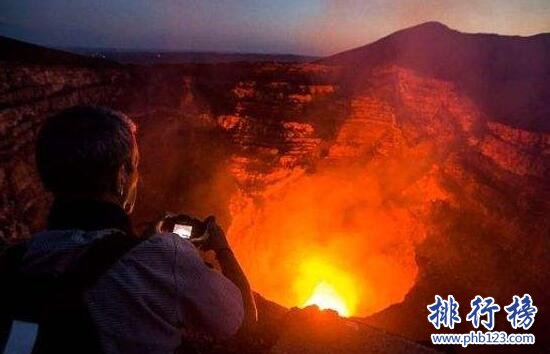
(435,26)
(21,52)
(505,75)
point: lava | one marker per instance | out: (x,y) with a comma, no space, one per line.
(326,287)
(327,298)
(317,240)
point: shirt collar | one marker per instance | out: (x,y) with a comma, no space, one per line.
(88,215)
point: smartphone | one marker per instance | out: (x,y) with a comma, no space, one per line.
(184,231)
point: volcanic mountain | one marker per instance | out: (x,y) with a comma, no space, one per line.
(505,75)
(415,166)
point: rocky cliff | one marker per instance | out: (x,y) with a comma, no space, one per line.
(466,192)
(29,91)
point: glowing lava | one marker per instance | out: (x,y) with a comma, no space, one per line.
(319,283)
(335,227)
(326,297)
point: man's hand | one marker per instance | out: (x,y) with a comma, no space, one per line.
(215,239)
(169,220)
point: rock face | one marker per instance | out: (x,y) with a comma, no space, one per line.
(504,76)
(28,93)
(309,331)
(399,176)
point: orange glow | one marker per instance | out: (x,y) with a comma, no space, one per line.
(342,237)
(317,229)
(327,287)
(326,297)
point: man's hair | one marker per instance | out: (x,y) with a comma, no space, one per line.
(80,150)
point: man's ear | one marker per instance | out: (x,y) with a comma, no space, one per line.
(122,180)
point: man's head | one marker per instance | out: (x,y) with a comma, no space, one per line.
(89,153)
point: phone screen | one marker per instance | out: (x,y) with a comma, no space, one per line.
(183,231)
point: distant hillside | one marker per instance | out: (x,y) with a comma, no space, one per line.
(21,52)
(507,76)
(162,57)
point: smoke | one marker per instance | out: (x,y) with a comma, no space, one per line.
(340,226)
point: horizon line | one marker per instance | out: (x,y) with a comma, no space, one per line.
(212,51)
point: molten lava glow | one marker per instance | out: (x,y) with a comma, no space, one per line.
(326,297)
(341,238)
(318,283)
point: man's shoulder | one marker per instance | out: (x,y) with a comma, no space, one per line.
(165,245)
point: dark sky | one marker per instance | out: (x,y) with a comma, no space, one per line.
(314,27)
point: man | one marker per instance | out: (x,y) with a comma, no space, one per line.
(151,289)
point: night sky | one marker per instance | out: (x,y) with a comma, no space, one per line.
(312,27)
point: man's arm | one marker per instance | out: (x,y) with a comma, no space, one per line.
(231,269)
(211,303)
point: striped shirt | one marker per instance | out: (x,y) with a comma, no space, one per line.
(143,302)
